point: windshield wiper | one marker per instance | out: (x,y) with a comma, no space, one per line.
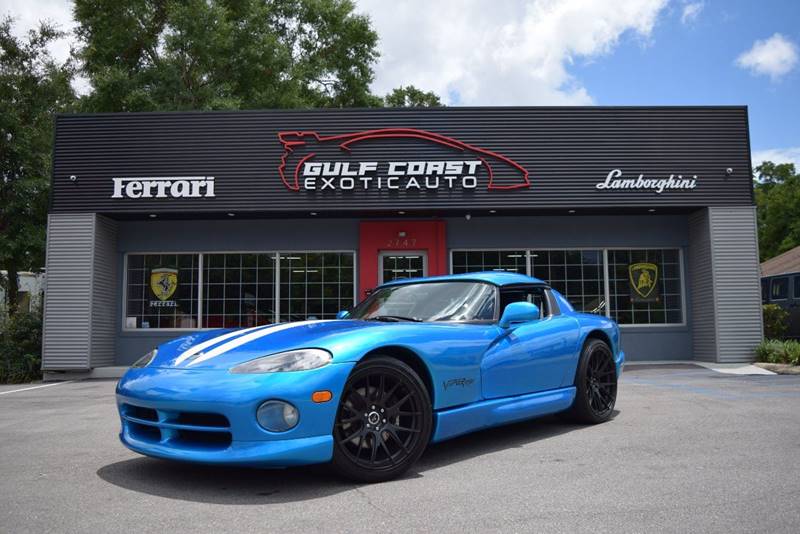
(394,318)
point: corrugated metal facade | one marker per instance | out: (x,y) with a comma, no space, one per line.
(701,282)
(567,152)
(105,292)
(737,293)
(70,247)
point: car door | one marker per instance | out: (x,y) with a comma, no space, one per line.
(532,356)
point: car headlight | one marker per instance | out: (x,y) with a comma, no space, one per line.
(145,360)
(293,360)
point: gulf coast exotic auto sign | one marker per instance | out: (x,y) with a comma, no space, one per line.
(370,160)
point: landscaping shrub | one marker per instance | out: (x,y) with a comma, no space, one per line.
(20,347)
(776,321)
(779,351)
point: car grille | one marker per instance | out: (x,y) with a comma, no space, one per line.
(181,429)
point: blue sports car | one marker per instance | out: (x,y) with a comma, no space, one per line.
(418,361)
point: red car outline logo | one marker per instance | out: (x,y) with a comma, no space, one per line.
(292,140)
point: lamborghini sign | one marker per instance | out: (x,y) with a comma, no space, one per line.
(643,279)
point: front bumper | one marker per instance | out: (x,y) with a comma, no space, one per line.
(209,416)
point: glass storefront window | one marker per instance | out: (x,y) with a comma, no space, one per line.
(161,291)
(473,261)
(579,274)
(576,274)
(317,284)
(238,290)
(645,286)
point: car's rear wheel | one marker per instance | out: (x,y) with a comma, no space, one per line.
(383,423)
(595,384)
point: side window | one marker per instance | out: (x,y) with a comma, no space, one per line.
(797,287)
(779,288)
(764,290)
(534,295)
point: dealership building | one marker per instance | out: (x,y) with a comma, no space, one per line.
(162,224)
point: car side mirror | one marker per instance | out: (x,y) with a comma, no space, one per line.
(519,312)
(344,314)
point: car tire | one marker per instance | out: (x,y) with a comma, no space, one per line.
(595,384)
(383,423)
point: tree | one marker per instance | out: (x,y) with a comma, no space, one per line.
(33,87)
(144,55)
(777,192)
(410,96)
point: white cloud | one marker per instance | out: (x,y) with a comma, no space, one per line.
(772,57)
(778,155)
(469,52)
(473,52)
(28,14)
(691,11)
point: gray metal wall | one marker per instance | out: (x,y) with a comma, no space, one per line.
(105,293)
(81,293)
(655,343)
(83,305)
(724,276)
(67,307)
(701,281)
(737,291)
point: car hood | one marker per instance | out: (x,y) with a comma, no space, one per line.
(223,349)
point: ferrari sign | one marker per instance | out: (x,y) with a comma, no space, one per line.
(163,283)
(643,279)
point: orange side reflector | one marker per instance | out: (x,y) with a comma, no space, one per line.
(321,396)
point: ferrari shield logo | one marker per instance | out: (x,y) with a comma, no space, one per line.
(163,282)
(643,278)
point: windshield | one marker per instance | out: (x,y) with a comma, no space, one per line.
(429,301)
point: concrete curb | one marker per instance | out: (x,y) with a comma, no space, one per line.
(724,368)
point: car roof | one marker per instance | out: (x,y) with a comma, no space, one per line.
(498,278)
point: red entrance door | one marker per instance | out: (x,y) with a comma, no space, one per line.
(377,237)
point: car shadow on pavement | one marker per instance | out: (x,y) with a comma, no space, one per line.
(494,440)
(233,485)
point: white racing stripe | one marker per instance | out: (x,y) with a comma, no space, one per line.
(214,340)
(239,341)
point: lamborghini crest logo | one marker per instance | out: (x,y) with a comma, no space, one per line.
(163,282)
(643,277)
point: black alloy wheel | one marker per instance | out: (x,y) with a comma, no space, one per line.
(383,423)
(595,383)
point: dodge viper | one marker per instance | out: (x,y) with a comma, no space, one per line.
(418,361)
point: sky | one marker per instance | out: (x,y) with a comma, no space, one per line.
(580,52)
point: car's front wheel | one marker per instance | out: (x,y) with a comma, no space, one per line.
(383,423)
(595,384)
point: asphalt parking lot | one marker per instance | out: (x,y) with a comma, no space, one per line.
(689,450)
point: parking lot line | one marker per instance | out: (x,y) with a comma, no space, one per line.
(36,387)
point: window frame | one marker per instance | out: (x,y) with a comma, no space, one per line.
(525,251)
(682,273)
(606,279)
(547,295)
(775,279)
(200,282)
